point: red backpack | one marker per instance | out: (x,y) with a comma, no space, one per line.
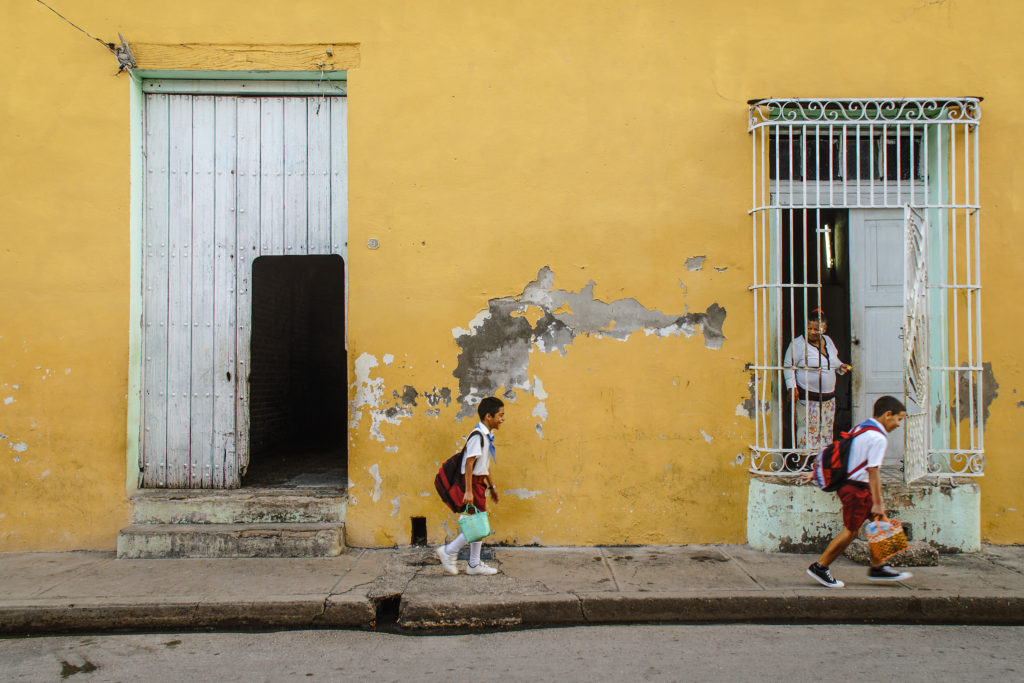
(830,466)
(449,482)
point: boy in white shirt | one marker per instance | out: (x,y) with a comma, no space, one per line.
(861,495)
(476,463)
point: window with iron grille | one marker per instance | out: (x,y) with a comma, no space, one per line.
(867,209)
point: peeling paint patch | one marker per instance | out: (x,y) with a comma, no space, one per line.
(522,494)
(389,358)
(370,394)
(747,408)
(409,395)
(540,430)
(968,393)
(707,437)
(396,504)
(437,396)
(495,354)
(695,262)
(538,389)
(391,449)
(474,324)
(9,400)
(368,391)
(20,447)
(375,473)
(540,411)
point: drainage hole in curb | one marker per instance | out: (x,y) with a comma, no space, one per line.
(387,610)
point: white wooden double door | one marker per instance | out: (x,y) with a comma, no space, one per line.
(227,179)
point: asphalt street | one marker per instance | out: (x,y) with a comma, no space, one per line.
(713,652)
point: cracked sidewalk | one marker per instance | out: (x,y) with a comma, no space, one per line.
(405,589)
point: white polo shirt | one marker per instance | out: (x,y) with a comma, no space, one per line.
(868,447)
(480,449)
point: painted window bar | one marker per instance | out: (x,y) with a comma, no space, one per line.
(919,155)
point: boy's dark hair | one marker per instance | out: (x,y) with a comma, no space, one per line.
(888,404)
(817,316)
(489,406)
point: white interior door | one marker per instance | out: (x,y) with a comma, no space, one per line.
(876,312)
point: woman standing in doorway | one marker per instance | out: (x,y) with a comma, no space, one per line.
(810,367)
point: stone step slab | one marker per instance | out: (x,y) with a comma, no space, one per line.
(153,541)
(238,506)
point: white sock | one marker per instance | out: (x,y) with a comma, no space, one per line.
(456,545)
(474,553)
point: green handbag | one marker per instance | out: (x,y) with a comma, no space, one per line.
(474,526)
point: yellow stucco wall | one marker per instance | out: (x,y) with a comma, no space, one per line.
(487,141)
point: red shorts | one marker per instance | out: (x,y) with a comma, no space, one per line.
(857,504)
(480,493)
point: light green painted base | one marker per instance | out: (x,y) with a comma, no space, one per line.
(783,517)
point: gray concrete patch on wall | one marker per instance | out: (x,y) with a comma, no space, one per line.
(495,352)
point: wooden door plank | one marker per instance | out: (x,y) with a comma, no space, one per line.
(179,324)
(154,308)
(339,176)
(272,175)
(200,473)
(318,144)
(248,249)
(295,169)
(224,371)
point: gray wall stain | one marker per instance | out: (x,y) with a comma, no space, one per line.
(497,352)
(750,403)
(968,393)
(436,396)
(408,395)
(695,262)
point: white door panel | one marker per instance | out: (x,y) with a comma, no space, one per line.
(876,312)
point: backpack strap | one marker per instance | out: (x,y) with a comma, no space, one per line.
(857,432)
(476,432)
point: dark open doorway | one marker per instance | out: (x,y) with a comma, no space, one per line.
(298,383)
(815,248)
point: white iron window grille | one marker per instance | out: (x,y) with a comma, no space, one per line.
(840,188)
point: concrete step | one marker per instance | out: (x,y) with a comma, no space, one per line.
(238,506)
(151,541)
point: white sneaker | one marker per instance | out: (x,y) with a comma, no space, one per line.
(481,568)
(447,561)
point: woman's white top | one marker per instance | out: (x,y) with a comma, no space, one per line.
(810,369)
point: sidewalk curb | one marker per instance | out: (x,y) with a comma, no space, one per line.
(636,608)
(479,612)
(314,612)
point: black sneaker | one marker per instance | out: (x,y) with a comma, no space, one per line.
(823,576)
(887,573)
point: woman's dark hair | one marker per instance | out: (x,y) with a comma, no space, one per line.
(489,406)
(817,316)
